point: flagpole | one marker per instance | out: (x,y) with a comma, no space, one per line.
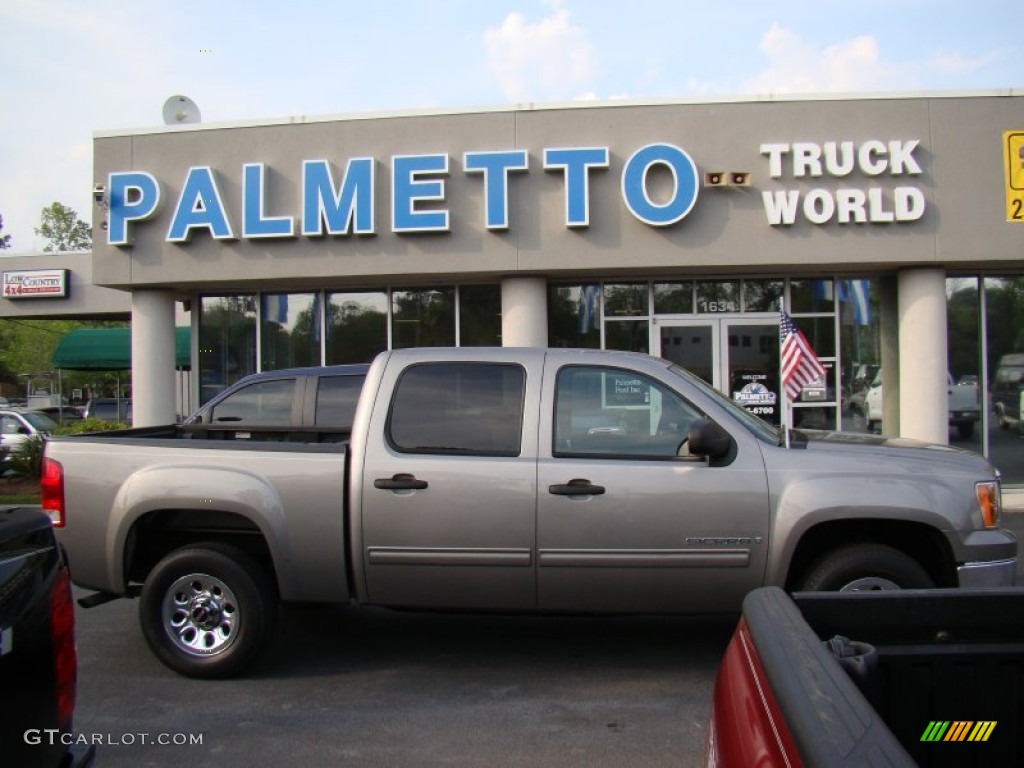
(783,400)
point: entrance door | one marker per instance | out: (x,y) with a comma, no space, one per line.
(739,357)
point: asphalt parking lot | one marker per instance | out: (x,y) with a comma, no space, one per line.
(370,687)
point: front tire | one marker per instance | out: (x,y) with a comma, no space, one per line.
(207,611)
(865,567)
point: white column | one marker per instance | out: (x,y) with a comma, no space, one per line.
(153,344)
(924,412)
(524,312)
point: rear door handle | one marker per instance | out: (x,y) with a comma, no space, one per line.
(400,482)
(576,487)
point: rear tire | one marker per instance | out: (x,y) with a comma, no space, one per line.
(207,611)
(864,567)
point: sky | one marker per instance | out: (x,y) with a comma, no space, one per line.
(70,68)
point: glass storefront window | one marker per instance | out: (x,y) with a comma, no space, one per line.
(716,296)
(820,333)
(357,326)
(811,296)
(574,316)
(289,330)
(963,346)
(627,335)
(1004,363)
(630,299)
(227,342)
(763,295)
(423,317)
(673,298)
(480,316)
(860,347)
(814,418)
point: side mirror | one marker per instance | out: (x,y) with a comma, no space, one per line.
(706,438)
(23,431)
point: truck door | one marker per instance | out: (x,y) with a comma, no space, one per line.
(448,495)
(625,523)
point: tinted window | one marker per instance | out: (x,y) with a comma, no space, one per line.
(336,398)
(458,408)
(264,404)
(617,413)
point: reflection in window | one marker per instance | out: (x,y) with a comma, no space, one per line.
(762,295)
(458,408)
(289,330)
(423,317)
(574,316)
(480,316)
(673,298)
(814,418)
(860,347)
(336,399)
(1004,312)
(618,414)
(263,404)
(628,299)
(357,326)
(820,333)
(627,335)
(811,296)
(227,342)
(714,296)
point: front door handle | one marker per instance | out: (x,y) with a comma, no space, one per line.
(400,482)
(576,487)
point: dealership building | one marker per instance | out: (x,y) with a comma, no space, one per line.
(890,227)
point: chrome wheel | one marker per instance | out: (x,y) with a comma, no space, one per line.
(869,584)
(200,615)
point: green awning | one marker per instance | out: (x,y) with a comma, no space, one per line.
(109,349)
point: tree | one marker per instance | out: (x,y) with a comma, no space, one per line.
(5,240)
(61,227)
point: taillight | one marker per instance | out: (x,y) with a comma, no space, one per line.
(746,725)
(52,486)
(65,658)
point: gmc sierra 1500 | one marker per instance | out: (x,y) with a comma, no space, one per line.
(510,480)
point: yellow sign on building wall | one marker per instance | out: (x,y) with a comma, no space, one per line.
(1013,161)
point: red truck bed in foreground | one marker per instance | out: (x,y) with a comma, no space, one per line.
(895,678)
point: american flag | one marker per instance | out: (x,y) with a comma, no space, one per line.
(800,365)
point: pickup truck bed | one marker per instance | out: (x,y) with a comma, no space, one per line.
(930,678)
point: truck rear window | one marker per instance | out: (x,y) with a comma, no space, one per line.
(458,408)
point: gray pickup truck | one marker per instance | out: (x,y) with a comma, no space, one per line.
(514,479)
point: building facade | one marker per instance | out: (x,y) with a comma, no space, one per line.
(891,229)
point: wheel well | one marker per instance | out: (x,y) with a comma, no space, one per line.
(157,534)
(922,542)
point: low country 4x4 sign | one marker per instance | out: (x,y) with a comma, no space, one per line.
(36,284)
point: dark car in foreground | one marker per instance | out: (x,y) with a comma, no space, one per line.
(38,660)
